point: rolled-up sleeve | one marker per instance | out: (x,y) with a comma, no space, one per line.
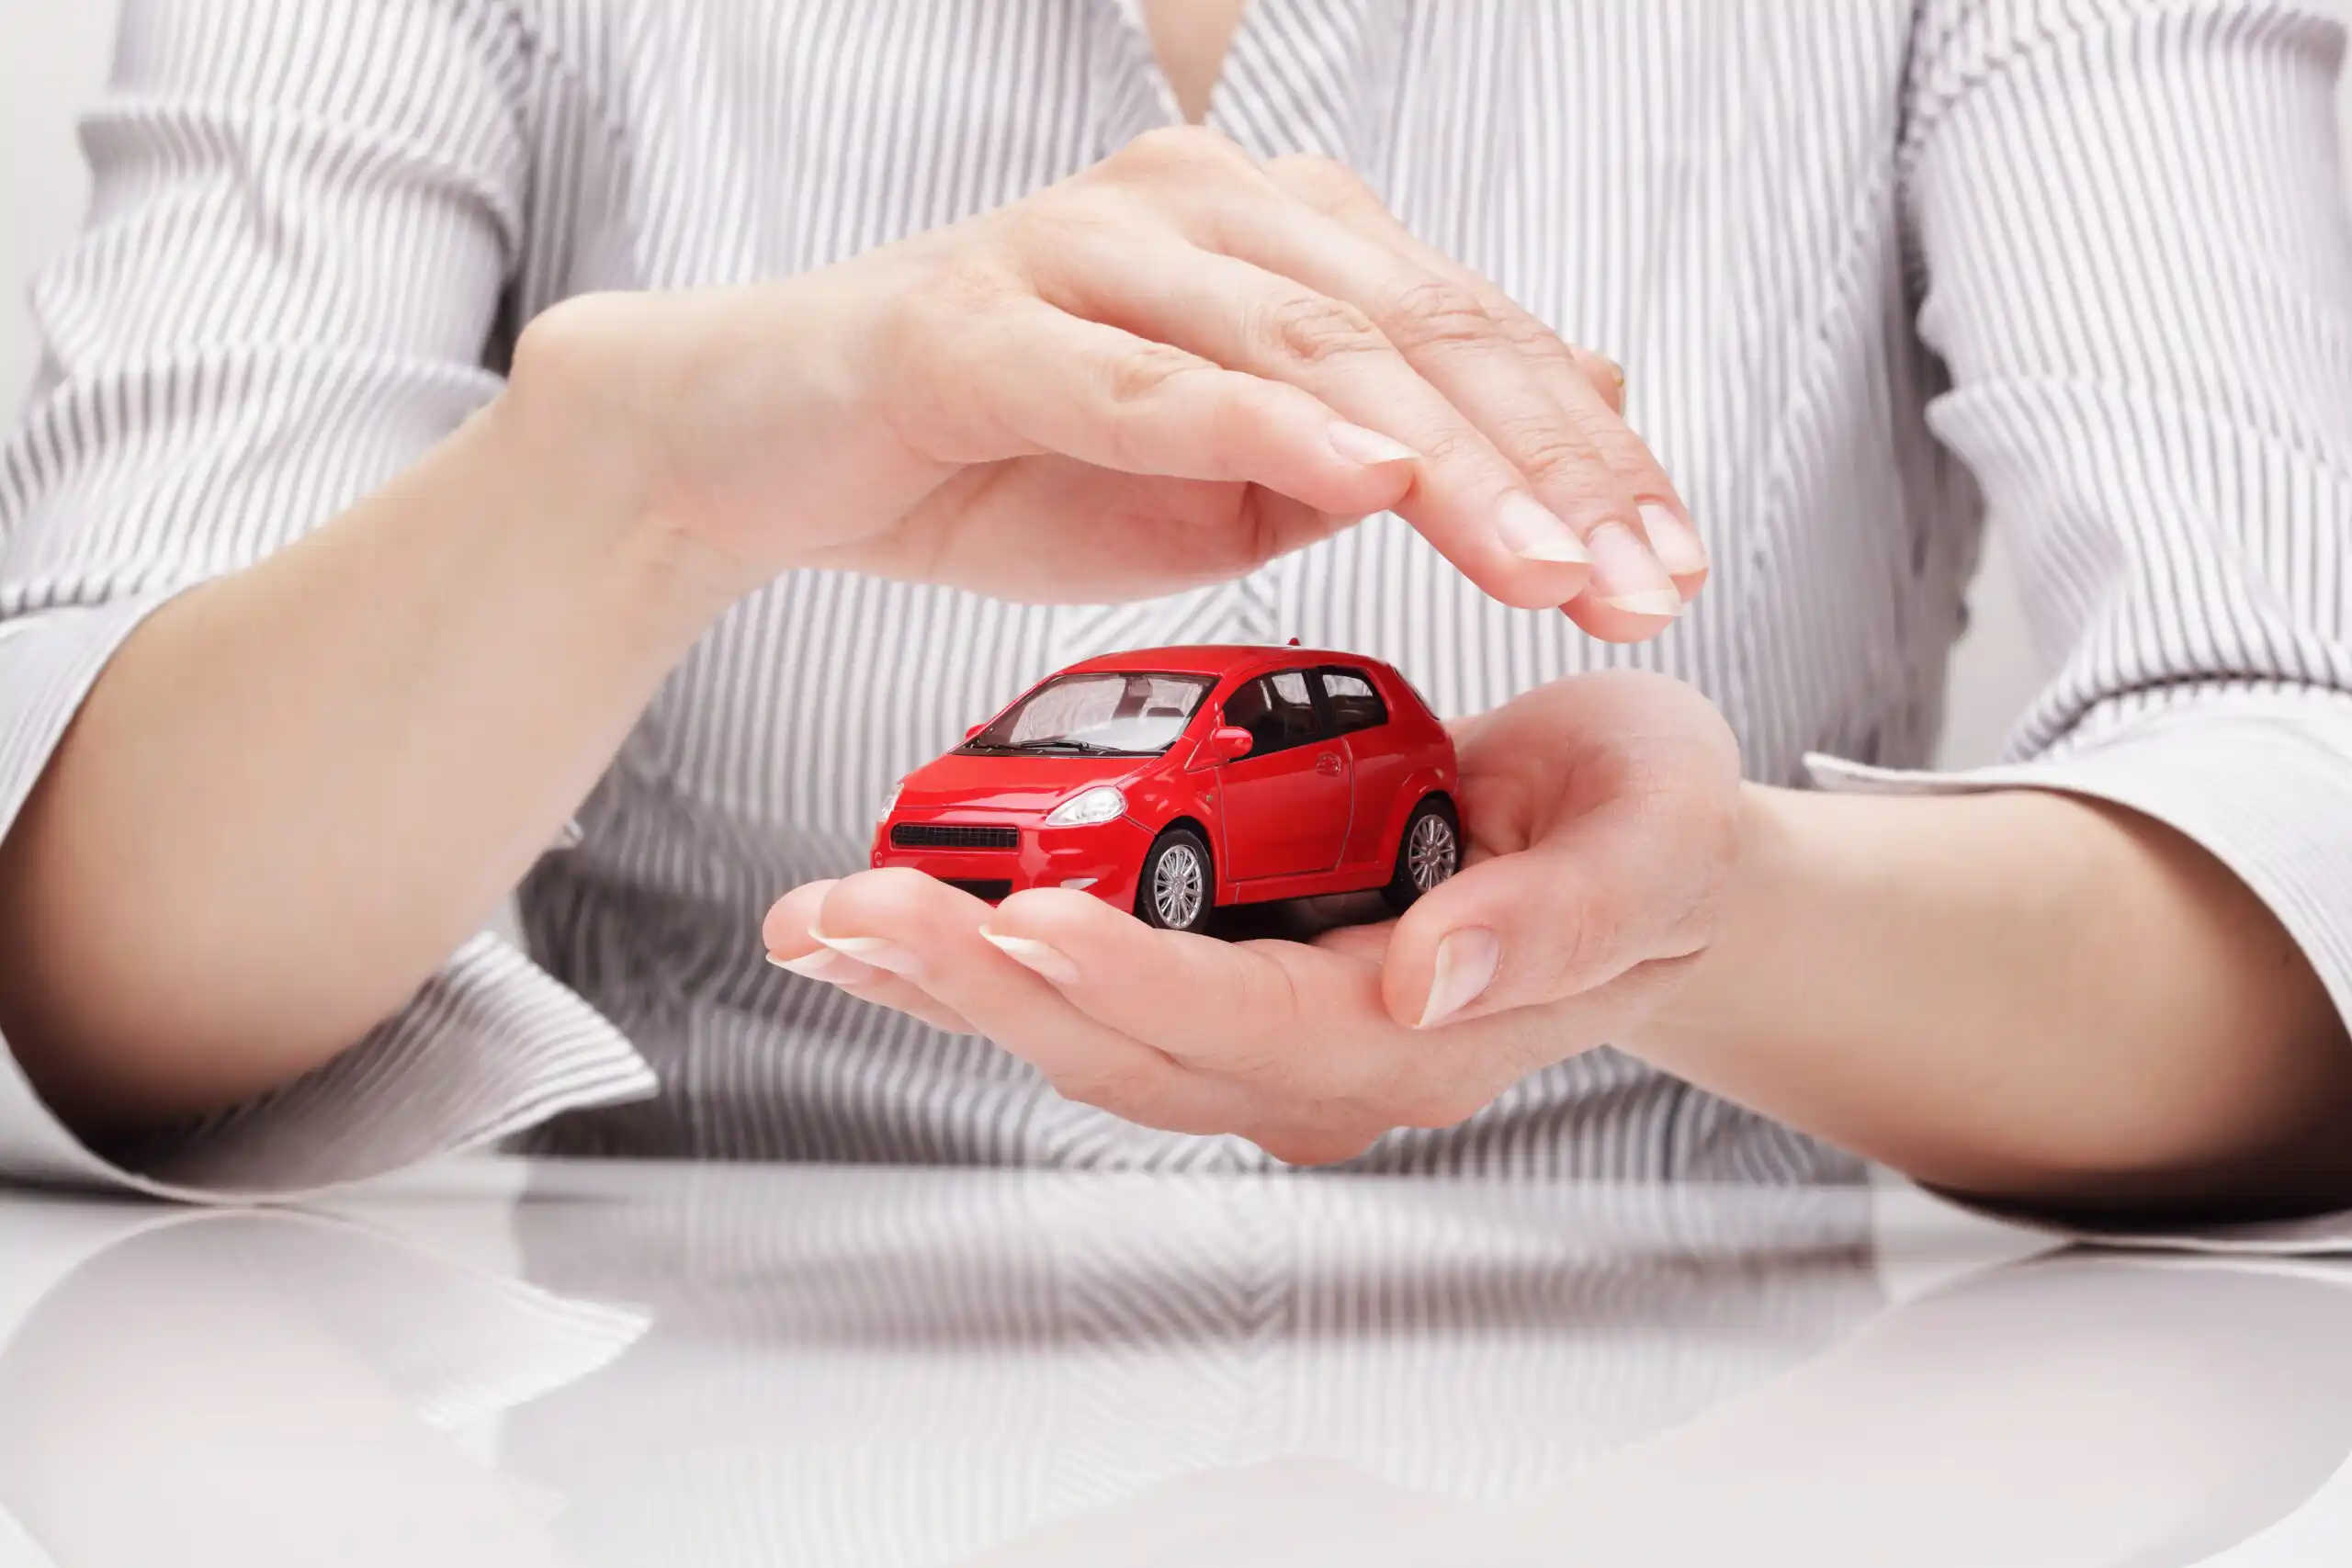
(2136,267)
(304,214)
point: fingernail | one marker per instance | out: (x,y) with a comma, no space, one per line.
(1049,961)
(1358,444)
(1530,531)
(1678,546)
(1616,370)
(1466,966)
(1627,577)
(827,965)
(880,952)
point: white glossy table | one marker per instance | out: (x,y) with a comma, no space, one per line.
(630,1364)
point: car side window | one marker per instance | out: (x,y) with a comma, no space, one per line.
(1354,703)
(1276,710)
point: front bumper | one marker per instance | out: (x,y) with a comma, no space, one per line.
(1107,857)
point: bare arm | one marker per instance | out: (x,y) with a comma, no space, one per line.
(2119,990)
(2017,994)
(298,787)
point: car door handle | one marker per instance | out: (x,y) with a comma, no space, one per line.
(1328,763)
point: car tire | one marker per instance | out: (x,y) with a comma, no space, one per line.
(1177,886)
(1428,851)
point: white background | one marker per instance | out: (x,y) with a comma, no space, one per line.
(54,56)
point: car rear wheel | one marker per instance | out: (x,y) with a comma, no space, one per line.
(1177,889)
(1428,851)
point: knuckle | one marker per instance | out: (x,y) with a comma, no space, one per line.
(1179,149)
(959,289)
(1624,452)
(1437,312)
(1265,528)
(1313,330)
(1532,340)
(1048,225)
(1322,180)
(1551,455)
(1146,372)
(1449,446)
(1604,375)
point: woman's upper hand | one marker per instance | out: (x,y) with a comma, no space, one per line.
(1602,816)
(1161,372)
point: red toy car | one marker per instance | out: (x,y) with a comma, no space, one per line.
(1171,780)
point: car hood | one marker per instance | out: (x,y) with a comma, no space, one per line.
(964,782)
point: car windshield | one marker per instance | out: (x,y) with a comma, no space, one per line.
(1126,714)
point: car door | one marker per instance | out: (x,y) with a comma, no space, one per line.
(1285,805)
(1358,718)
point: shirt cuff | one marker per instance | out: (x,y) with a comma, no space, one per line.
(489,1045)
(2264,784)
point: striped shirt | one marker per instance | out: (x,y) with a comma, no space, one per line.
(1879,270)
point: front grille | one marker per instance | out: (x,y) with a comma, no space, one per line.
(952,836)
(996,890)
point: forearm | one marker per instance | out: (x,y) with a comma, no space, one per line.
(2017,994)
(296,789)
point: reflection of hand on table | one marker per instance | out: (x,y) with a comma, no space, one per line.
(265,1389)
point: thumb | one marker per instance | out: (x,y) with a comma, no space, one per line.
(1621,886)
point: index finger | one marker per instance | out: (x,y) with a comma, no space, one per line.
(1225,1006)
(1332,189)
(1588,389)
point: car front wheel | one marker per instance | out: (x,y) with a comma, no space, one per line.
(1428,851)
(1177,889)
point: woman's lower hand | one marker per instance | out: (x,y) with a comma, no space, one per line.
(1161,372)
(1602,816)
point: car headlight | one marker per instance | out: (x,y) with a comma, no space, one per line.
(889,801)
(1103,802)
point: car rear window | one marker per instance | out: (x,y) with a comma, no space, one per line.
(1355,703)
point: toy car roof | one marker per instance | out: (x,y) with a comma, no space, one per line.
(1212,659)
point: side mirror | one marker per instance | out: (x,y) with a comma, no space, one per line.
(1226,742)
(976,729)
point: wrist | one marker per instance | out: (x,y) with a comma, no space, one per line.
(1751,925)
(576,437)
(731,430)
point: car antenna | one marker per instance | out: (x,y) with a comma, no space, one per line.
(1292,643)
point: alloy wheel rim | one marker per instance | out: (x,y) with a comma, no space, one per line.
(1428,860)
(1176,886)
